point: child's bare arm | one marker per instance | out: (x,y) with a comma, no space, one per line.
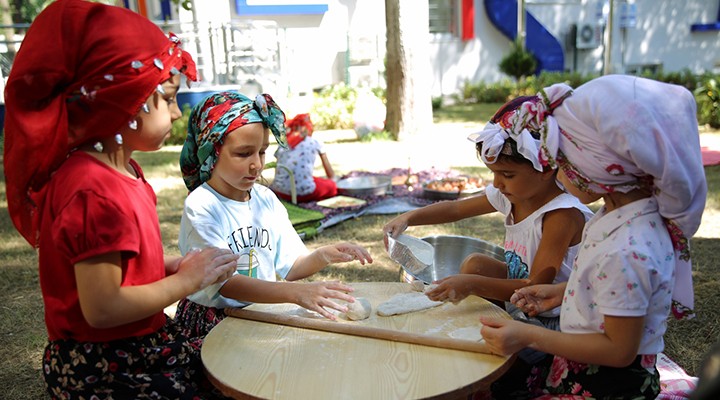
(105,303)
(315,296)
(439,213)
(329,172)
(616,347)
(318,259)
(561,229)
(536,299)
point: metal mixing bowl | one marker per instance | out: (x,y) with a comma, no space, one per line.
(372,185)
(450,251)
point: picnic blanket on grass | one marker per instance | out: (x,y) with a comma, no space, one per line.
(405,196)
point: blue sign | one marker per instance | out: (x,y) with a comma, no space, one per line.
(628,15)
(268,7)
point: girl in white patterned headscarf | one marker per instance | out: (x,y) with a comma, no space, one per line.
(634,143)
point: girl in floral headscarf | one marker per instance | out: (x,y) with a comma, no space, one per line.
(543,223)
(634,143)
(221,161)
(299,157)
(91,85)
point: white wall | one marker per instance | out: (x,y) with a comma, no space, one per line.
(314,48)
(662,35)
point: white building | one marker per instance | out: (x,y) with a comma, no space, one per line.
(291,47)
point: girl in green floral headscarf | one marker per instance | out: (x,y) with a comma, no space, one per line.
(212,119)
(221,161)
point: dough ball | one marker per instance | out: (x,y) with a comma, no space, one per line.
(358,310)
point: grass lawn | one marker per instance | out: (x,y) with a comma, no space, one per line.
(22,329)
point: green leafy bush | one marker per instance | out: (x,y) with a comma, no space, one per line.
(482,92)
(333,107)
(179,128)
(519,62)
(707,96)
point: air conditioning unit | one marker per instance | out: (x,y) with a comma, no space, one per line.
(588,35)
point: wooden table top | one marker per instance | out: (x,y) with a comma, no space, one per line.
(249,359)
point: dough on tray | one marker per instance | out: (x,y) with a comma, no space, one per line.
(404,303)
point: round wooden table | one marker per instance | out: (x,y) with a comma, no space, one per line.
(250,359)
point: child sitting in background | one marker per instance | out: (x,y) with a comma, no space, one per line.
(634,143)
(300,157)
(91,85)
(221,161)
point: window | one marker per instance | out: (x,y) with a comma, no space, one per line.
(444,16)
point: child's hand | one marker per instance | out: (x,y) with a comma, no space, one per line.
(395,227)
(453,288)
(207,266)
(316,296)
(536,299)
(344,252)
(503,336)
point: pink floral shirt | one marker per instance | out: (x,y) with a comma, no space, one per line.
(625,267)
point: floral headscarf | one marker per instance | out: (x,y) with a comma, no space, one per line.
(84,70)
(517,120)
(212,119)
(619,133)
(295,136)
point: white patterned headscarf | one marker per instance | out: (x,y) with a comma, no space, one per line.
(619,133)
(521,121)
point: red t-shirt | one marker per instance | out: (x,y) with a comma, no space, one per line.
(92,209)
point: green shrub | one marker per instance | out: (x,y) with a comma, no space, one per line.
(483,92)
(707,96)
(179,128)
(437,103)
(519,62)
(333,107)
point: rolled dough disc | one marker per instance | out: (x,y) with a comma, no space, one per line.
(468,333)
(360,309)
(404,303)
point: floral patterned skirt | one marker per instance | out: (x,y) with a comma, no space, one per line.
(196,318)
(163,365)
(558,377)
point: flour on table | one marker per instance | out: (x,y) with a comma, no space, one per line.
(404,303)
(468,333)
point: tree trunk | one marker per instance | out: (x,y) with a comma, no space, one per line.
(9,33)
(409,103)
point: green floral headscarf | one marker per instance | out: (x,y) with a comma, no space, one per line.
(216,116)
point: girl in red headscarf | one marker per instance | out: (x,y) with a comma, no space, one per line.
(300,157)
(91,85)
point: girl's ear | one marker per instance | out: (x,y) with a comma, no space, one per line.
(548,174)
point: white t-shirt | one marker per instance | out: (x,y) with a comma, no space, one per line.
(301,160)
(625,268)
(522,239)
(259,230)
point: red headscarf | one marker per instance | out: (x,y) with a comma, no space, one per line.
(84,70)
(295,134)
